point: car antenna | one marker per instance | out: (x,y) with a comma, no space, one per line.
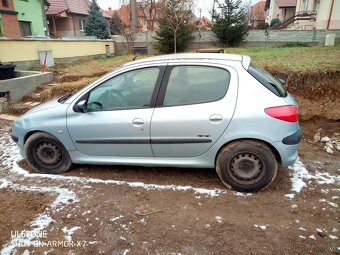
(140,52)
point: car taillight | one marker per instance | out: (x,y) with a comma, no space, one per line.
(286,113)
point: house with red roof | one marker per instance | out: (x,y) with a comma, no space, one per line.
(66,18)
(303,14)
(146,15)
(258,15)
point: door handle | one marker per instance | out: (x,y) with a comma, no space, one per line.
(137,122)
(216,118)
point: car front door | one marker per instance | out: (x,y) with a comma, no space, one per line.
(117,115)
(195,106)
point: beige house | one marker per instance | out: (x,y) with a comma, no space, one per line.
(304,14)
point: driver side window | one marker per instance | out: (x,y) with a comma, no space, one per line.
(130,90)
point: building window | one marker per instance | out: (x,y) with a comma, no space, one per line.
(25,28)
(81,25)
(5,3)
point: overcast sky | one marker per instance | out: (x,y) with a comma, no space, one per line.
(205,5)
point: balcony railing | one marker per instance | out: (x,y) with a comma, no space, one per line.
(302,15)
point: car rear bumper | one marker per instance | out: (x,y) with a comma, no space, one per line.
(293,139)
(288,153)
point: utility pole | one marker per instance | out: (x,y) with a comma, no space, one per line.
(199,29)
(133,16)
(213,10)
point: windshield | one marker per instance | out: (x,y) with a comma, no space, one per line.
(268,80)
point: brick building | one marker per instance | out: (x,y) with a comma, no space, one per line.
(9,25)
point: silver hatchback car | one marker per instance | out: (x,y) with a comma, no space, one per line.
(184,110)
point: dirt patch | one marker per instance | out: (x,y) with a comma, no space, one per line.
(18,209)
(125,217)
(317,92)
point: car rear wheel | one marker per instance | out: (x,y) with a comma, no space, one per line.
(246,166)
(46,154)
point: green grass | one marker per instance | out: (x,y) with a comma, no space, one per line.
(316,58)
(303,59)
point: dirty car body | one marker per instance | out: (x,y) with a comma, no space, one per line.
(184,110)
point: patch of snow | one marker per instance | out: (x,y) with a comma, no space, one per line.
(290,196)
(312,237)
(325,191)
(219,219)
(332,204)
(12,157)
(299,172)
(69,232)
(263,227)
(303,229)
(294,206)
(302,237)
(334,230)
(333,237)
(116,218)
(125,252)
(326,178)
(242,194)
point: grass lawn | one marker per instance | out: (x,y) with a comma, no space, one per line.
(316,58)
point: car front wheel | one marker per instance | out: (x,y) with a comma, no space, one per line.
(46,154)
(246,166)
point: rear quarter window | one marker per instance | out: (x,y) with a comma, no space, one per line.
(267,80)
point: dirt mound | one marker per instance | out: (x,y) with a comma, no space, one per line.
(317,92)
(71,78)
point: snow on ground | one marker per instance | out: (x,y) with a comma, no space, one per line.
(299,174)
(11,157)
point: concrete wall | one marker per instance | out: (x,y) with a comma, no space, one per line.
(254,38)
(26,50)
(25,83)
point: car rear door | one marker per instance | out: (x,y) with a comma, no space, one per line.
(195,105)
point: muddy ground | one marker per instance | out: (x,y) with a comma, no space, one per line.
(135,210)
(138,210)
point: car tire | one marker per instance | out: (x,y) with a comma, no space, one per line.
(46,154)
(246,166)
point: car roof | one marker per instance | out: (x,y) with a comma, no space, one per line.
(193,56)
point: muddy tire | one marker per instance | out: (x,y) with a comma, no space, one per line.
(246,166)
(46,154)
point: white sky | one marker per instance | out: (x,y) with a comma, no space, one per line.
(205,5)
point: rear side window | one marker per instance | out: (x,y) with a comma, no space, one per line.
(268,80)
(196,84)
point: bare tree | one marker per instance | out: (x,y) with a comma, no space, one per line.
(175,15)
(149,12)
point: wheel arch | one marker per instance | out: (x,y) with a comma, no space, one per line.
(270,146)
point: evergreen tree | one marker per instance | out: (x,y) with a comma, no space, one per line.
(174,26)
(95,24)
(116,25)
(231,23)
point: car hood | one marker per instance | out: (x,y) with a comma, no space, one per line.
(44,106)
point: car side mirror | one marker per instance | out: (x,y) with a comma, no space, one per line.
(81,106)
